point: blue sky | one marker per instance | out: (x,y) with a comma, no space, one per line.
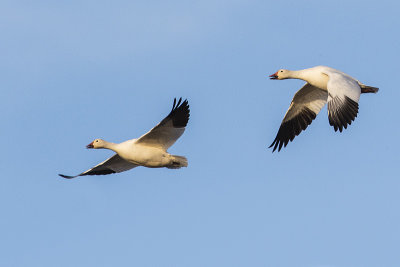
(73,71)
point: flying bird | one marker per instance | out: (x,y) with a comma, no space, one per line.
(324,85)
(149,150)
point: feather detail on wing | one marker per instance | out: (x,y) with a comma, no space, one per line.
(341,112)
(343,96)
(169,129)
(114,164)
(305,106)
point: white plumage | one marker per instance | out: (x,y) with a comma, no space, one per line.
(324,85)
(149,150)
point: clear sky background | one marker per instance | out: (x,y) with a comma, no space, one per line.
(73,71)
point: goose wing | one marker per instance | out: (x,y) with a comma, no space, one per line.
(343,96)
(114,164)
(165,134)
(303,109)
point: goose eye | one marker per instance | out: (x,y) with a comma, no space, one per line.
(281,70)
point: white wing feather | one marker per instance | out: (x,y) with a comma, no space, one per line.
(165,134)
(343,96)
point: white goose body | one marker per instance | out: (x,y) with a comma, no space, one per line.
(143,155)
(324,85)
(150,150)
(313,76)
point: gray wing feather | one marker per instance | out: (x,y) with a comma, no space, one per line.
(166,133)
(114,164)
(305,106)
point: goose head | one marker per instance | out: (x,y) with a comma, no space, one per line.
(280,75)
(97,143)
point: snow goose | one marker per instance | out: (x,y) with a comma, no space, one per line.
(324,84)
(149,150)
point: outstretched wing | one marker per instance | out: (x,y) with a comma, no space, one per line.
(305,106)
(114,164)
(343,96)
(169,129)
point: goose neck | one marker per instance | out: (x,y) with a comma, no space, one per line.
(111,146)
(298,74)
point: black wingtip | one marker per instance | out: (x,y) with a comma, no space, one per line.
(342,113)
(67,176)
(291,128)
(180,113)
(175,104)
(179,102)
(272,145)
